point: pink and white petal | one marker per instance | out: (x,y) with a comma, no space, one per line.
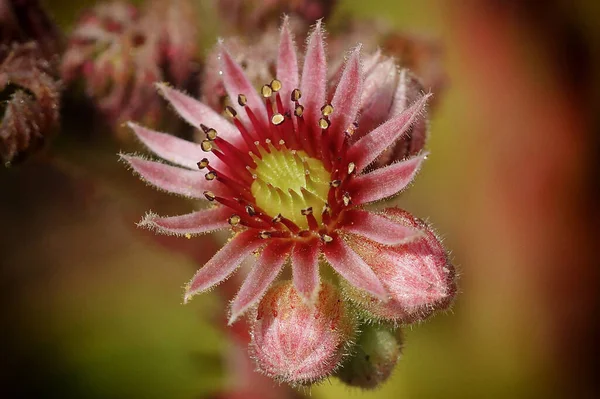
(351,267)
(369,147)
(384,182)
(223,264)
(287,63)
(169,147)
(377,96)
(347,97)
(314,76)
(259,279)
(236,82)
(173,179)
(378,228)
(197,222)
(305,269)
(195,113)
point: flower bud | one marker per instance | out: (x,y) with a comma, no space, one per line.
(299,343)
(376,354)
(417,274)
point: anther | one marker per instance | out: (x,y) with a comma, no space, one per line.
(266,91)
(242,100)
(277,218)
(230,112)
(307,211)
(351,168)
(277,119)
(335,183)
(296,94)
(351,130)
(212,175)
(206,145)
(211,134)
(210,195)
(250,210)
(327,109)
(204,127)
(326,239)
(323,123)
(276,85)
(264,235)
(346,198)
(234,220)
(326,208)
(299,110)
(203,163)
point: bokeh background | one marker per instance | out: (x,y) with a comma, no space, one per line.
(91,306)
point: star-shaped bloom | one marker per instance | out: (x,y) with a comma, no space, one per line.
(284,172)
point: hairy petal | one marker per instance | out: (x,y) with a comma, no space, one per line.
(220,266)
(169,147)
(314,75)
(198,222)
(351,267)
(189,183)
(305,269)
(195,113)
(384,182)
(287,63)
(259,279)
(378,228)
(369,147)
(236,82)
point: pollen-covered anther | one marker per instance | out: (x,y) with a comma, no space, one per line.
(327,109)
(296,95)
(307,211)
(347,199)
(351,130)
(264,235)
(324,123)
(276,85)
(335,183)
(250,210)
(326,209)
(210,195)
(230,112)
(278,218)
(206,145)
(326,238)
(299,110)
(234,220)
(277,119)
(351,168)
(211,134)
(212,175)
(203,163)
(266,91)
(242,100)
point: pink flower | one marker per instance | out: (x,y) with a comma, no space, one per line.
(298,343)
(285,176)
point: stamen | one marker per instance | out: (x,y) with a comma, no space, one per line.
(351,168)
(211,134)
(206,145)
(277,119)
(202,164)
(210,195)
(250,210)
(276,85)
(234,220)
(327,109)
(324,123)
(307,211)
(296,95)
(230,111)
(242,100)
(335,183)
(278,218)
(264,235)
(266,91)
(326,238)
(210,176)
(346,198)
(299,110)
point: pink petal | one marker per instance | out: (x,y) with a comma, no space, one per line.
(369,147)
(418,274)
(168,147)
(346,100)
(287,64)
(220,266)
(305,269)
(260,277)
(196,113)
(236,82)
(173,179)
(314,76)
(377,96)
(351,267)
(378,228)
(193,223)
(384,182)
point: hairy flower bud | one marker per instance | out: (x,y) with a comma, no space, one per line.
(300,343)
(375,355)
(417,274)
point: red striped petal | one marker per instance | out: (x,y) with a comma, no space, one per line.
(314,75)
(193,223)
(378,228)
(305,269)
(287,64)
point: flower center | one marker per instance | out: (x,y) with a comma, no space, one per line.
(290,183)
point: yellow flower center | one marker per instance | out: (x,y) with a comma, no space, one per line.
(289,182)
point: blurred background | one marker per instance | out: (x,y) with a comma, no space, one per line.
(91,305)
